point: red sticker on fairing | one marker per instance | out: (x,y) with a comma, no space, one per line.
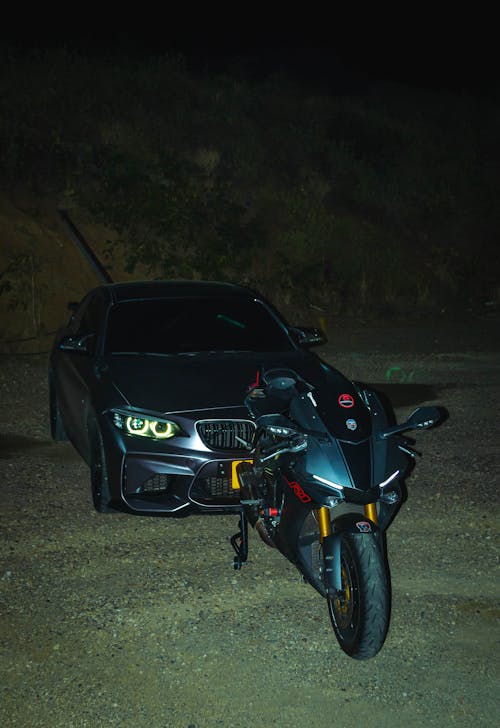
(346,400)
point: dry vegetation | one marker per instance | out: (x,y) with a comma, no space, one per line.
(377,202)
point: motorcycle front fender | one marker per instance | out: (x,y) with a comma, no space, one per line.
(354,523)
(331,546)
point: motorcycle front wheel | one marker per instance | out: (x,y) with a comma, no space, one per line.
(360,612)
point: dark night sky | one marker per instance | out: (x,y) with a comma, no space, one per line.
(425,50)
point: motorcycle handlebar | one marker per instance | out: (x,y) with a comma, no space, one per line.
(296,443)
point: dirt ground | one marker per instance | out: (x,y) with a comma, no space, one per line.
(116,620)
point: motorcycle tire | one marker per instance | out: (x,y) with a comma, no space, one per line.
(360,613)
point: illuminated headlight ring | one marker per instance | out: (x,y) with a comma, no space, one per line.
(145,426)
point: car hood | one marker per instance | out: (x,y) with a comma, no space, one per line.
(167,384)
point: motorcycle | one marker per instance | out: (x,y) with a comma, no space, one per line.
(325,480)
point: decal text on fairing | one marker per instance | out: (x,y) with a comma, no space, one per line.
(299,491)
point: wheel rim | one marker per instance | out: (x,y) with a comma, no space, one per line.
(345,607)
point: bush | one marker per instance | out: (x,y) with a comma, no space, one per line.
(351,203)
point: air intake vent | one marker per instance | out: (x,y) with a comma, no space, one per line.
(156,484)
(219,488)
(223,434)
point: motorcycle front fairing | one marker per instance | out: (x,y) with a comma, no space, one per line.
(343,464)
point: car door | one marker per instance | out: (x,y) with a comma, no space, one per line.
(75,369)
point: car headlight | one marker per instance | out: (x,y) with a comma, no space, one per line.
(145,426)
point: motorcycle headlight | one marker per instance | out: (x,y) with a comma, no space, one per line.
(145,426)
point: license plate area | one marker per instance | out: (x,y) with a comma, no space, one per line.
(234,478)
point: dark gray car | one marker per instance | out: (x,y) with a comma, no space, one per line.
(148,379)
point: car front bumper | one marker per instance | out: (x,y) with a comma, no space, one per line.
(174,476)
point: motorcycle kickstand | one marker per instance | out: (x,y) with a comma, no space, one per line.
(239,542)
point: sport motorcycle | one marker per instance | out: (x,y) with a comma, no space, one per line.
(324,480)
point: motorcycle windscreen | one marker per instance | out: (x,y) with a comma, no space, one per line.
(342,410)
(304,412)
(337,410)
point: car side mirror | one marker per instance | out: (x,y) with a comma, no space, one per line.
(78,344)
(307,336)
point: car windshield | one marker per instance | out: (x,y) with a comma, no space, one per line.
(170,326)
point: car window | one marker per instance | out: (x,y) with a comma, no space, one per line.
(189,325)
(90,316)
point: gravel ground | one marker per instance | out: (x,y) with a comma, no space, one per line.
(116,620)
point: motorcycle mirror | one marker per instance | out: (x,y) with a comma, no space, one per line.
(421,418)
(424,417)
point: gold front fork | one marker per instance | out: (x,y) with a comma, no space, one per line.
(325,526)
(371,512)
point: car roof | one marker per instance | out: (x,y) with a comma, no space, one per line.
(176,288)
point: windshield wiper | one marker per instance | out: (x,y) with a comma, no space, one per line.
(182,353)
(139,353)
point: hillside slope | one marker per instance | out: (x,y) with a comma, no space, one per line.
(41,270)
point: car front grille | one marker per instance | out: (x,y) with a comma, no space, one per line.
(223,434)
